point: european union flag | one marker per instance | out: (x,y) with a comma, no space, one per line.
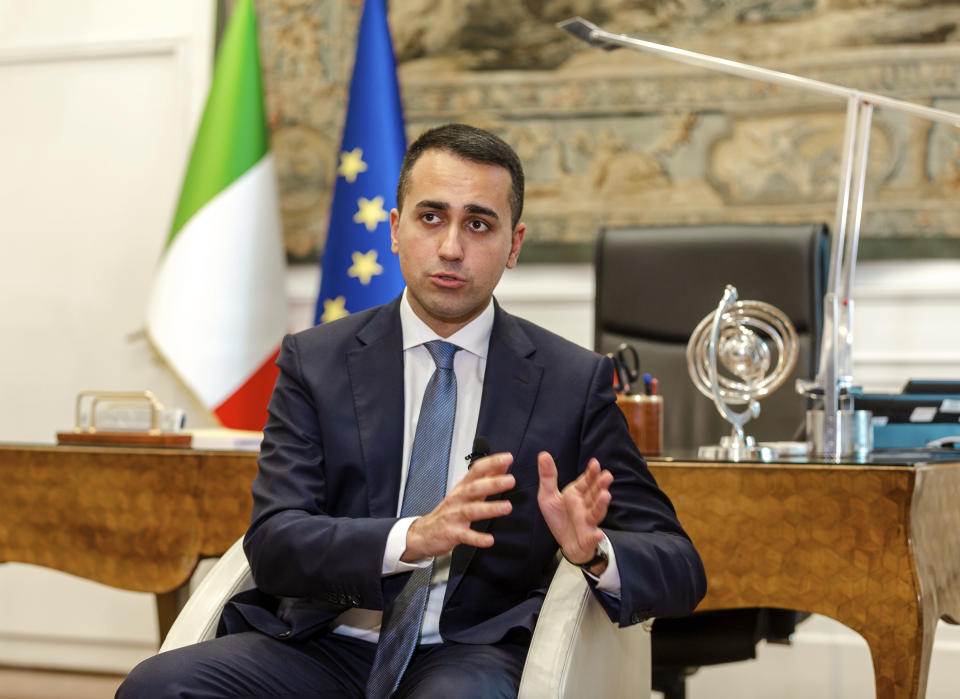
(358,268)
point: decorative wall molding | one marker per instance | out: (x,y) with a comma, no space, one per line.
(177,48)
(60,652)
(94,50)
(638,85)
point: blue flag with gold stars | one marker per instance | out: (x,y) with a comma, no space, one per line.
(358,268)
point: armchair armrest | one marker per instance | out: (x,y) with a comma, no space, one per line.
(576,651)
(199,617)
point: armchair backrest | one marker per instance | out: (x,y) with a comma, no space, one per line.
(654,285)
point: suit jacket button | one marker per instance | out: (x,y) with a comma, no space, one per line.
(635,618)
(355,600)
(283,634)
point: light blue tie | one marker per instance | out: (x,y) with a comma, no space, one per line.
(426,485)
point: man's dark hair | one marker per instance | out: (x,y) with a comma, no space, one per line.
(469,143)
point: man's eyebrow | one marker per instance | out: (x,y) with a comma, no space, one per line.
(482,210)
(469,208)
(429,204)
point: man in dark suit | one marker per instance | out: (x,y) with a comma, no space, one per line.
(336,543)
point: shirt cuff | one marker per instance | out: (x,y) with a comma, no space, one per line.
(609,580)
(397,544)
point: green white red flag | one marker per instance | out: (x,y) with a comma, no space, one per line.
(217,308)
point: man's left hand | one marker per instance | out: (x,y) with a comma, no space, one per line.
(574,514)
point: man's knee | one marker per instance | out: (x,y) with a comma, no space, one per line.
(252,664)
(215,668)
(159,677)
(466,672)
(444,683)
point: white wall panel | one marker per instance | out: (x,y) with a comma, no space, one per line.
(906,322)
(99,103)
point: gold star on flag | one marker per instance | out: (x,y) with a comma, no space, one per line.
(351,164)
(370,212)
(334,309)
(365,266)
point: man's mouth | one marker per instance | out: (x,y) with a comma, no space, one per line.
(449,281)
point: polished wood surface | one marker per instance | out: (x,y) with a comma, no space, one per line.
(874,547)
(133,518)
(125,439)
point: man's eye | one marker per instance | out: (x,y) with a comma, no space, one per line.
(478,225)
(429,218)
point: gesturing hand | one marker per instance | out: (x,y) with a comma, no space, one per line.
(448,525)
(574,514)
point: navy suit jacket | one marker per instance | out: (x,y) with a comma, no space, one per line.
(326,493)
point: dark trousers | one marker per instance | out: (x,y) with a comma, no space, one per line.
(251,664)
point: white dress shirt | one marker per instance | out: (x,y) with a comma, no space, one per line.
(469,365)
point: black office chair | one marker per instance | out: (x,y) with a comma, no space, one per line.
(653,286)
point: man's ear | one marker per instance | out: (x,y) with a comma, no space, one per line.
(394,226)
(516,242)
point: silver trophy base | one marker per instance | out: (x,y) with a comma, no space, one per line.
(732,449)
(854,433)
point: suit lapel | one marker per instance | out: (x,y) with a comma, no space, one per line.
(510,386)
(376,378)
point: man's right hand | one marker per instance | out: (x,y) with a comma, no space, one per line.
(448,525)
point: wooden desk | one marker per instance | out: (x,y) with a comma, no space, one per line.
(875,547)
(133,518)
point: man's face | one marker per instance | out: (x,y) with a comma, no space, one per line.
(454,237)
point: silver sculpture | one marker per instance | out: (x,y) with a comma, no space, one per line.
(730,360)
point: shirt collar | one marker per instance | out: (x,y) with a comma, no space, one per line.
(474,337)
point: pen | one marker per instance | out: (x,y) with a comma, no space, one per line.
(646,383)
(654,386)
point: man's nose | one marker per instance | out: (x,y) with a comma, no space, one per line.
(450,248)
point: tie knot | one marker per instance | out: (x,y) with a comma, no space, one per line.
(442,353)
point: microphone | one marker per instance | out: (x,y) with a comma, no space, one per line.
(481,448)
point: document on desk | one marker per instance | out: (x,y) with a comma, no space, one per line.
(223,439)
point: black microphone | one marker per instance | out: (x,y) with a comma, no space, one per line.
(481,448)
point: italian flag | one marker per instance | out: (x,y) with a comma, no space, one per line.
(217,307)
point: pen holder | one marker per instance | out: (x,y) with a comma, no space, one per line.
(645,419)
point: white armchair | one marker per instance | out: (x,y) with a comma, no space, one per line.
(575,651)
